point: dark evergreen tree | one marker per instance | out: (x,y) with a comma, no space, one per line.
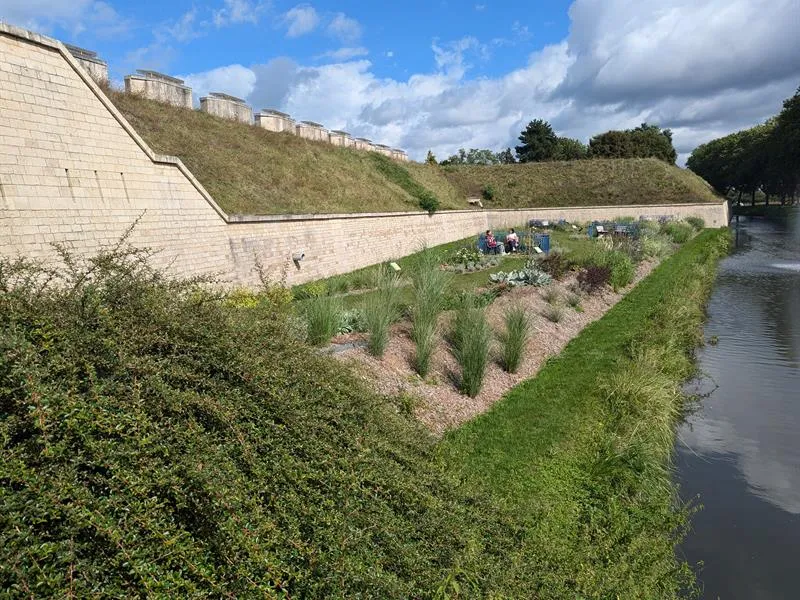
(538,142)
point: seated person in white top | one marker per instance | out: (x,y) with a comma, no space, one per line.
(512,241)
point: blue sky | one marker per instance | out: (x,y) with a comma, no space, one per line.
(445,74)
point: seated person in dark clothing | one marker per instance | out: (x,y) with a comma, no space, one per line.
(512,241)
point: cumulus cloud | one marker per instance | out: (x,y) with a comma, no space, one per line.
(300,20)
(235,80)
(344,28)
(623,63)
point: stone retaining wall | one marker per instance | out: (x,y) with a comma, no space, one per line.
(74,172)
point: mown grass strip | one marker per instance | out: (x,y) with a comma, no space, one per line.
(580,454)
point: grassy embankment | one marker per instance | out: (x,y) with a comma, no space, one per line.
(159,440)
(582,183)
(251,171)
(581,453)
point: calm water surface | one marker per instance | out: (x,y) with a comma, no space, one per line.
(739,453)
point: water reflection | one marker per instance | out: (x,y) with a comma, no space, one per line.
(746,434)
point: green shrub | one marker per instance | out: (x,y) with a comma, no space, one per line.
(697,223)
(678,232)
(428,202)
(514,338)
(488,192)
(620,266)
(574,301)
(351,321)
(381,310)
(471,337)
(160,443)
(555,264)
(323,315)
(430,284)
(656,246)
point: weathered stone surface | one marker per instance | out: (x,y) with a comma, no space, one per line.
(159,87)
(227,107)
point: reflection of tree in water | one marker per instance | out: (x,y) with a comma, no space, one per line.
(786,314)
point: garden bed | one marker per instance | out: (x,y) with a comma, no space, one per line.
(438,402)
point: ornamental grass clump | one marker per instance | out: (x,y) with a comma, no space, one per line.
(514,338)
(323,316)
(430,284)
(471,337)
(554,314)
(381,310)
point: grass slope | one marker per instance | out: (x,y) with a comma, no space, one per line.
(582,183)
(248,170)
(580,454)
(251,171)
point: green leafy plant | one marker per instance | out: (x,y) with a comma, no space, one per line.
(514,338)
(428,202)
(593,278)
(574,301)
(620,266)
(696,222)
(530,275)
(678,232)
(471,337)
(488,192)
(555,264)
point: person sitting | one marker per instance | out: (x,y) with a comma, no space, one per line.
(491,244)
(512,241)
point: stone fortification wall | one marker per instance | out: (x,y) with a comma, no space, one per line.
(312,131)
(274,120)
(73,171)
(159,87)
(227,107)
(341,139)
(91,63)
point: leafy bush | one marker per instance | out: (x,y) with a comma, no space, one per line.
(593,278)
(488,192)
(514,339)
(323,315)
(678,232)
(471,337)
(157,442)
(555,264)
(428,202)
(464,255)
(656,246)
(381,310)
(697,223)
(352,321)
(430,285)
(620,266)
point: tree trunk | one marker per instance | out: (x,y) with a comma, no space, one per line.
(739,199)
(753,198)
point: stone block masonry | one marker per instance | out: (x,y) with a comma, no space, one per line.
(73,171)
(275,120)
(159,87)
(91,63)
(227,107)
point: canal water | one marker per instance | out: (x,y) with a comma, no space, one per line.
(738,453)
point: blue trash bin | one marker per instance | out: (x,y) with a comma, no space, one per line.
(543,241)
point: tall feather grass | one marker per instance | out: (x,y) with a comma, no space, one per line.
(430,284)
(471,337)
(381,310)
(323,316)
(514,338)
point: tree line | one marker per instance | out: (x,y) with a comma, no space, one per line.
(540,143)
(764,159)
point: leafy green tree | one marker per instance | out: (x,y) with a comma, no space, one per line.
(473,157)
(431,159)
(643,142)
(569,149)
(506,157)
(538,142)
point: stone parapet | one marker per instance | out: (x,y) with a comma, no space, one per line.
(159,87)
(227,107)
(91,63)
(275,120)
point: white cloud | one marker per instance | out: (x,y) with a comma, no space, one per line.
(300,20)
(347,53)
(480,7)
(576,84)
(235,12)
(344,28)
(184,29)
(235,80)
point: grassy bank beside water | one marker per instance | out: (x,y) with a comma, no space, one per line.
(580,455)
